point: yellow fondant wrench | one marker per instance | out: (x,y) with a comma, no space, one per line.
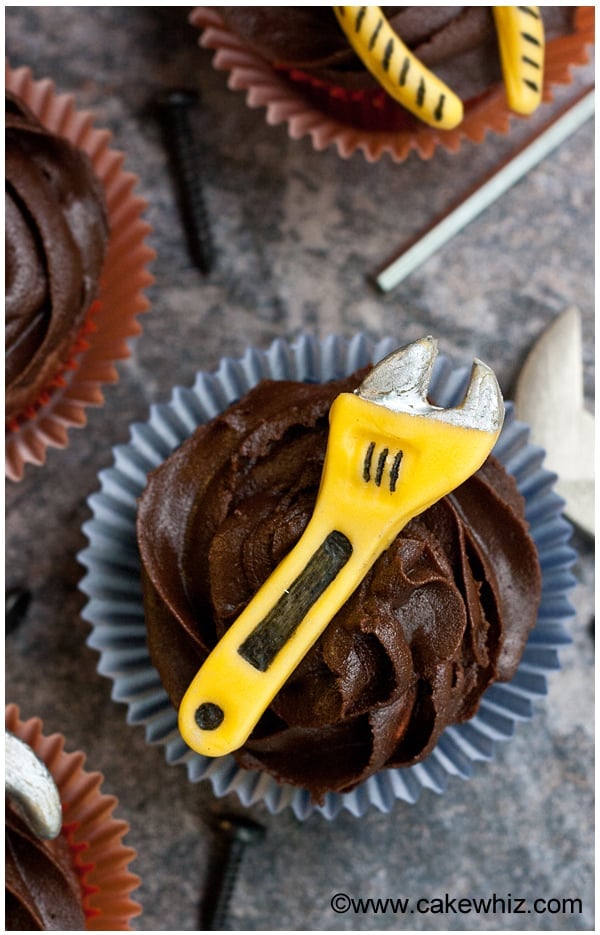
(390,455)
(404,77)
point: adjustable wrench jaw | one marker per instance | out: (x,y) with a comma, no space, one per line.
(400,383)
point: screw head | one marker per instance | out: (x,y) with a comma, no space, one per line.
(240,828)
(16,602)
(178,98)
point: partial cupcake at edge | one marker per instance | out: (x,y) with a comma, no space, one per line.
(66,865)
(396,79)
(444,646)
(76,267)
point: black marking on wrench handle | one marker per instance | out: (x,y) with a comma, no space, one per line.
(275,629)
(380,466)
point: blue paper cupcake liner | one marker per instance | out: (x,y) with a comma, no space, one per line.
(115,608)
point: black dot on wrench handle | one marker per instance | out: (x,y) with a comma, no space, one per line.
(209,716)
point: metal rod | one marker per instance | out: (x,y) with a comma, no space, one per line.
(419,248)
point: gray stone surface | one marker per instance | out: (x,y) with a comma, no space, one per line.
(297,232)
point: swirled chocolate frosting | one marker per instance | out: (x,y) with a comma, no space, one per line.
(444,612)
(56,234)
(42,887)
(458,43)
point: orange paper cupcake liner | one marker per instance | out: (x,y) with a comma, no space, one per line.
(94,836)
(285,101)
(112,319)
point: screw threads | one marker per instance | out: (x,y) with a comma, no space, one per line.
(236,833)
(175,107)
(222,905)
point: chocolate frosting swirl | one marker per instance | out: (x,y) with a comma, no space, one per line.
(42,887)
(458,43)
(443,612)
(56,234)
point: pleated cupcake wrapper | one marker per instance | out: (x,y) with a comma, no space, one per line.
(60,380)
(115,610)
(286,102)
(94,835)
(112,319)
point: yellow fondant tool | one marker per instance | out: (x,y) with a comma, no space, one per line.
(520,32)
(403,76)
(390,455)
(396,69)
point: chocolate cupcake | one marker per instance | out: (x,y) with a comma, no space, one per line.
(56,237)
(302,65)
(191,599)
(442,614)
(76,267)
(69,871)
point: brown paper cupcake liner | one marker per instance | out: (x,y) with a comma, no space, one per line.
(112,318)
(94,836)
(286,100)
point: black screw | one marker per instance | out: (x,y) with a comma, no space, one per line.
(236,832)
(16,602)
(174,109)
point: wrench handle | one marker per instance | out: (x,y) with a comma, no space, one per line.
(261,649)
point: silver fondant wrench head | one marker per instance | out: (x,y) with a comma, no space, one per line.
(400,382)
(31,788)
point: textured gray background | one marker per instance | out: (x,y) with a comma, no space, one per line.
(297,232)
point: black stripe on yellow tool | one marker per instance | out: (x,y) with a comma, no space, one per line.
(390,455)
(520,37)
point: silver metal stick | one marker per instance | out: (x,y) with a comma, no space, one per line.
(445,226)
